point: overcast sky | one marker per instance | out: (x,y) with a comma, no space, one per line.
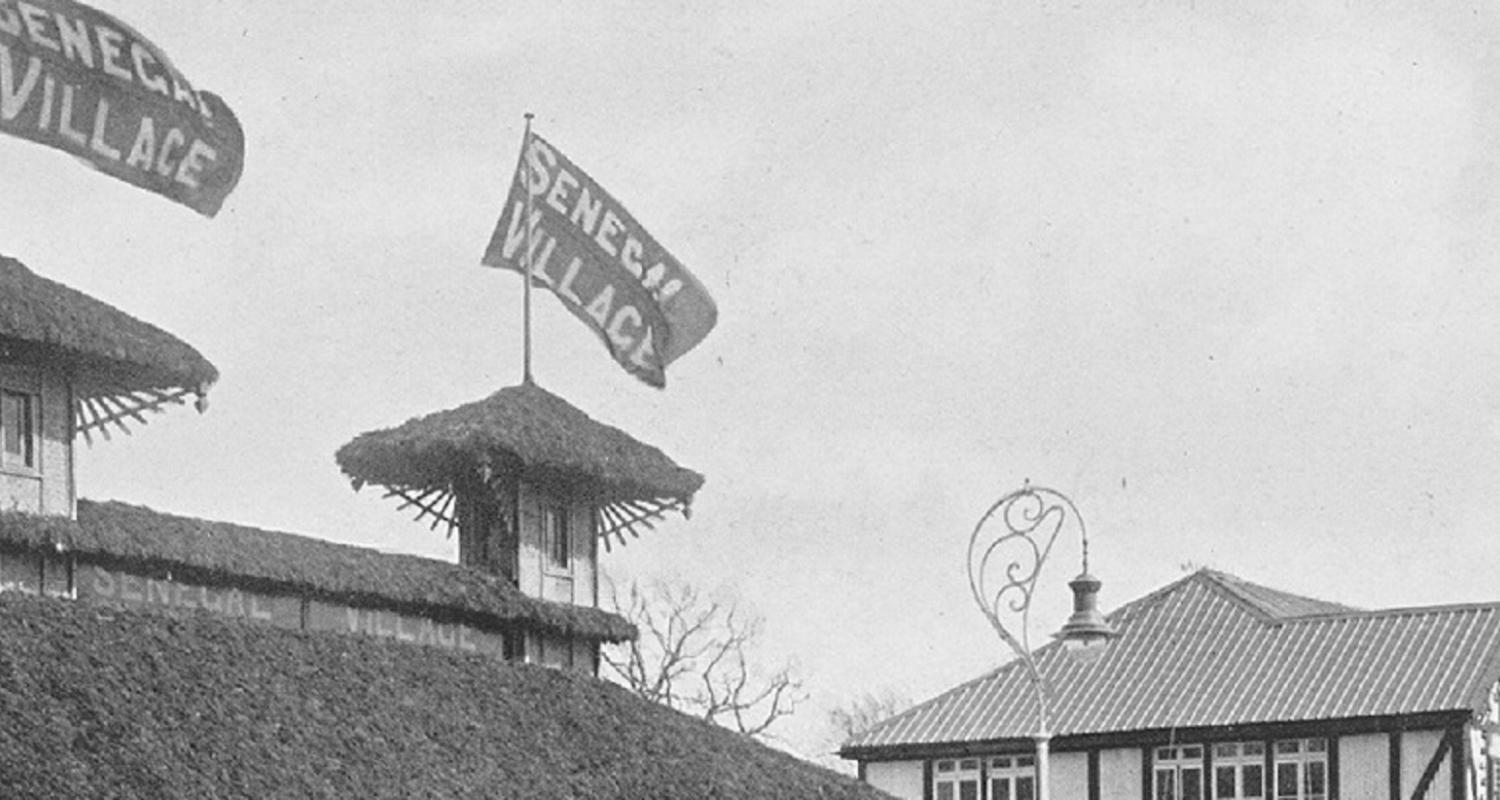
(1224,275)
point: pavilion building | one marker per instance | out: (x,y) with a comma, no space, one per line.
(1219,688)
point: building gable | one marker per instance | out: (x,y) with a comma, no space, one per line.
(1214,650)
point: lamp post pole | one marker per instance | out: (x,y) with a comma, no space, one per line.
(1007,549)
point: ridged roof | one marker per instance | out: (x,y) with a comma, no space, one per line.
(1213,649)
(105,702)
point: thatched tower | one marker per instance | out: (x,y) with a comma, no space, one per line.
(71,365)
(531,484)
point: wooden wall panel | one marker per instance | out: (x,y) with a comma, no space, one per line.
(98,584)
(323,616)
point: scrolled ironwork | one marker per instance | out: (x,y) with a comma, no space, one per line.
(1007,550)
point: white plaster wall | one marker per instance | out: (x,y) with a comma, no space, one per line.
(1070,776)
(1364,769)
(536,579)
(1120,774)
(901,779)
(56,452)
(1417,748)
(20,493)
(582,524)
(529,559)
(48,489)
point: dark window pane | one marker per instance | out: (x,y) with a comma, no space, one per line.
(1252,781)
(945,791)
(10,422)
(1166,784)
(1000,789)
(1025,788)
(1223,783)
(1313,778)
(968,790)
(555,529)
(1192,783)
(1286,780)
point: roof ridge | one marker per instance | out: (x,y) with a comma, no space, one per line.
(1222,582)
(1399,611)
(1253,594)
(1150,598)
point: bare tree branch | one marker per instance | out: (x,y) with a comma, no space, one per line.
(693,655)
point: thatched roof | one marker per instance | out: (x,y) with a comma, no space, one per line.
(121,365)
(521,430)
(109,703)
(221,551)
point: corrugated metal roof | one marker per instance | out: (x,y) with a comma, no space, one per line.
(1213,649)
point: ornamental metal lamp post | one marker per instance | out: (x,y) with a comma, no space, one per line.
(1028,521)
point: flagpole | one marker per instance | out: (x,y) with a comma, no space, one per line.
(526,276)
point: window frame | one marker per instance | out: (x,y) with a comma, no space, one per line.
(1174,760)
(1013,771)
(1300,756)
(950,776)
(29,461)
(557,539)
(1238,757)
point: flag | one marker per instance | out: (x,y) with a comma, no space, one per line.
(600,262)
(78,80)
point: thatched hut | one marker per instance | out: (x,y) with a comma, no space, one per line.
(153,655)
(73,366)
(532,485)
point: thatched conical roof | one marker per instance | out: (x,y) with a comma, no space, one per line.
(121,365)
(528,431)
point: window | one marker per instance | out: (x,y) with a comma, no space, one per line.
(1178,773)
(956,779)
(1490,786)
(555,536)
(18,429)
(1239,771)
(1013,778)
(1302,769)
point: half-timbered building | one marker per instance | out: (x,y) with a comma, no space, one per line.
(1220,688)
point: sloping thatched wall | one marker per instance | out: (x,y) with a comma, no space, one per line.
(106,703)
(224,552)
